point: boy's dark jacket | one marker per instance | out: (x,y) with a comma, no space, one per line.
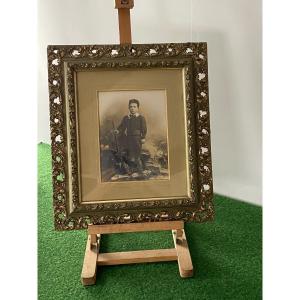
(133,126)
(133,129)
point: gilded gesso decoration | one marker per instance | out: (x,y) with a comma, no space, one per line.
(63,63)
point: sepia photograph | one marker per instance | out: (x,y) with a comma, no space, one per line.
(133,135)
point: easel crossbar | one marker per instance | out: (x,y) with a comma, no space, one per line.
(133,257)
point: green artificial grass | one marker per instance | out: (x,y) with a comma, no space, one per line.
(226,255)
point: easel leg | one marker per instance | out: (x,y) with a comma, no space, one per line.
(184,258)
(89,268)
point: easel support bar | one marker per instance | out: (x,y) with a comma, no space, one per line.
(135,227)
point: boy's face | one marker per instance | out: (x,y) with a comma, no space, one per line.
(133,108)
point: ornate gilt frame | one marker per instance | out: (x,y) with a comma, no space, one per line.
(63,62)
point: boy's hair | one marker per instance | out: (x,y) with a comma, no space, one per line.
(134,101)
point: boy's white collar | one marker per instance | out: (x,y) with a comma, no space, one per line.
(136,115)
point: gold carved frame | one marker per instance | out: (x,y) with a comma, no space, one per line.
(63,63)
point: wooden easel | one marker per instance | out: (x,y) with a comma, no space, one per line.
(92,257)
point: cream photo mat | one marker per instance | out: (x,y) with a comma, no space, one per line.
(89,84)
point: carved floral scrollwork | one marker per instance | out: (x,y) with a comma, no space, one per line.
(63,62)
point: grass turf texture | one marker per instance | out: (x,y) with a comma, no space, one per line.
(226,255)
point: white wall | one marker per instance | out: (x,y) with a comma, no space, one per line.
(232,29)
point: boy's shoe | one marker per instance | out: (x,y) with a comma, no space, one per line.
(135,175)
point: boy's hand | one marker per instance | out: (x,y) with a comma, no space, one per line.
(143,141)
(104,147)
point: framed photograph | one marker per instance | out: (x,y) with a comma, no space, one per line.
(130,134)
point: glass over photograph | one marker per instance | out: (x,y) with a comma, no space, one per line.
(133,135)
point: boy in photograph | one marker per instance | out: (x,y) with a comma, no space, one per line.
(133,128)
